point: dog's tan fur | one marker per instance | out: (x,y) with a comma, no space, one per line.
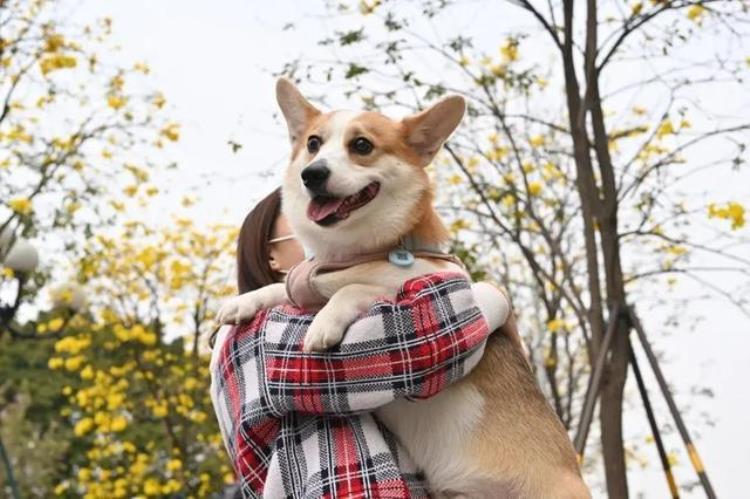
(489,435)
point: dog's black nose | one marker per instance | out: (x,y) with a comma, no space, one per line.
(314,176)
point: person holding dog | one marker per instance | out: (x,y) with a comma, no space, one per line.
(300,424)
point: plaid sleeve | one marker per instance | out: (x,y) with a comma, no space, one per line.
(431,335)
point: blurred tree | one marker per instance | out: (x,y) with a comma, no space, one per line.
(576,208)
(140,411)
(68,121)
(113,401)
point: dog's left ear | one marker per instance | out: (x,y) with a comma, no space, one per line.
(426,131)
(297,110)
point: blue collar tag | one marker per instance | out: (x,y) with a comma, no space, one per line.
(401,257)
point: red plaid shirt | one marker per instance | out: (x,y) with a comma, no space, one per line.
(298,425)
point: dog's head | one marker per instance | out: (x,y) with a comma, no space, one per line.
(356,180)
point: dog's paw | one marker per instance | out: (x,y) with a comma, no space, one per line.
(238,309)
(324,332)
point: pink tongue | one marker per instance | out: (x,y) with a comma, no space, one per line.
(317,210)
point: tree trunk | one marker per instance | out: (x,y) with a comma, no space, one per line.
(599,211)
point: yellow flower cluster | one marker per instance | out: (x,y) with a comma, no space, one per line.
(55,62)
(137,401)
(171,132)
(509,50)
(696,13)
(557,326)
(733,212)
(136,333)
(21,205)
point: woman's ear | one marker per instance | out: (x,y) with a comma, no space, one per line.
(273,262)
(297,111)
(426,131)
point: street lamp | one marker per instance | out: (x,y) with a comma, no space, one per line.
(22,259)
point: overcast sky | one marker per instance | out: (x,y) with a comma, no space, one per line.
(213,60)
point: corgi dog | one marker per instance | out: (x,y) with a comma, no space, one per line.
(356,183)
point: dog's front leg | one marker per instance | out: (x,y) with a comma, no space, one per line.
(238,309)
(330,324)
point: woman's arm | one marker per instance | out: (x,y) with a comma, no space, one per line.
(430,336)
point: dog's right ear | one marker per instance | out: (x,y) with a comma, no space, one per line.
(297,111)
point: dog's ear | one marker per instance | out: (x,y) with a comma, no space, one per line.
(426,131)
(296,109)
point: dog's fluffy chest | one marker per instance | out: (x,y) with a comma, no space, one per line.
(436,431)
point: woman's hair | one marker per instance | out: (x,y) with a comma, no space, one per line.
(253,269)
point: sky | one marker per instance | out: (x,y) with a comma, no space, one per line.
(213,61)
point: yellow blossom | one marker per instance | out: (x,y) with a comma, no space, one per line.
(171,132)
(142,67)
(509,50)
(459,224)
(160,410)
(74,363)
(733,211)
(116,101)
(21,205)
(368,7)
(84,475)
(151,487)
(130,190)
(499,70)
(158,100)
(455,179)
(61,487)
(72,207)
(535,188)
(119,423)
(696,12)
(557,325)
(55,324)
(537,141)
(87,373)
(55,62)
(54,42)
(83,426)
(665,128)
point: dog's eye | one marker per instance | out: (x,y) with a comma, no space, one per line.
(361,146)
(313,144)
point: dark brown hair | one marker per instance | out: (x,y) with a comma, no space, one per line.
(253,270)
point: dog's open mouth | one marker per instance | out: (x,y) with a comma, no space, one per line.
(325,210)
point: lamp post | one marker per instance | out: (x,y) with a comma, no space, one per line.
(21,258)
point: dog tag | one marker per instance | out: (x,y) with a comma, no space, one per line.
(401,258)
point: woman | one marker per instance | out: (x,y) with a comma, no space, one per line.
(300,424)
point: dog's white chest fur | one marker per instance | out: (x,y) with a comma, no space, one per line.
(437,431)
